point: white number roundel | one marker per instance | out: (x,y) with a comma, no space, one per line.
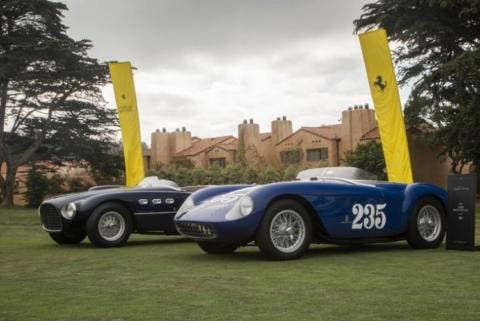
(368,216)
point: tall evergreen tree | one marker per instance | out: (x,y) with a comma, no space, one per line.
(51,105)
(437,46)
(368,156)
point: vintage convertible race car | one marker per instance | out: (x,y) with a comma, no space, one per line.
(340,205)
(108,214)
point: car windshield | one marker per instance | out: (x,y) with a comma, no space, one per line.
(154,181)
(336,172)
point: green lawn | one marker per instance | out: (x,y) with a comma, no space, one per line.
(168,278)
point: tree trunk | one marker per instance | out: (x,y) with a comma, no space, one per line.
(10,182)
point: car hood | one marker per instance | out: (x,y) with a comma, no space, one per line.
(216,207)
(62,199)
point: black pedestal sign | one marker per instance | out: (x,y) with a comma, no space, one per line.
(461,212)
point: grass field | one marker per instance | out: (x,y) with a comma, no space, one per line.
(168,278)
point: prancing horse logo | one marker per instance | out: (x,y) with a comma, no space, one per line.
(380,83)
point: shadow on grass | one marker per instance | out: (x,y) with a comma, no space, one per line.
(315,252)
(87,245)
(158,242)
(357,249)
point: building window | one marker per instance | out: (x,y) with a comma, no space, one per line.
(317,154)
(291,156)
(221,162)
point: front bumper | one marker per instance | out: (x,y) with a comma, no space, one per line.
(197,231)
(53,221)
(235,231)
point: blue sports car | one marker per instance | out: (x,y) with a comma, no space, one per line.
(340,205)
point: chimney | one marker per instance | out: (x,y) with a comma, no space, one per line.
(249,139)
(280,129)
(160,149)
(179,140)
(355,125)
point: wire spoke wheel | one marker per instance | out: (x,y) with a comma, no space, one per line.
(111,226)
(287,231)
(429,223)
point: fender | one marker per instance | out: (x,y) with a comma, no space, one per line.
(415,191)
(128,198)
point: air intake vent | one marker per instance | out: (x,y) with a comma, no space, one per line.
(51,218)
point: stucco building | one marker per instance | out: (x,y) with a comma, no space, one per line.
(308,146)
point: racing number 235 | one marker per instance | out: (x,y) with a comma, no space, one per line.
(368,216)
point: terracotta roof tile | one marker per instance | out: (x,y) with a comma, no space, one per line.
(371,134)
(264,136)
(328,132)
(203,144)
(231,146)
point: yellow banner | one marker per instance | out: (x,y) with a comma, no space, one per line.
(384,90)
(124,89)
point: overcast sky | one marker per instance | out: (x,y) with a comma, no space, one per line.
(208,65)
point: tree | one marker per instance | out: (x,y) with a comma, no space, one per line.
(37,187)
(234,173)
(51,106)
(290,173)
(368,156)
(437,48)
(269,175)
(182,161)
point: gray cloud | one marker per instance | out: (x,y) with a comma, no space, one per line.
(209,64)
(161,32)
(306,65)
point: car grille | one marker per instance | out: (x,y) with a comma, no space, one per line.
(51,218)
(197,230)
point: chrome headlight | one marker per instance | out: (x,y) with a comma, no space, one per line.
(186,206)
(69,210)
(241,209)
(246,205)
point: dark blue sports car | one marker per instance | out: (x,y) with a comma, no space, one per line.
(340,205)
(108,214)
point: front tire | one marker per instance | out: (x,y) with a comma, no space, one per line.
(285,232)
(110,225)
(426,229)
(217,248)
(71,237)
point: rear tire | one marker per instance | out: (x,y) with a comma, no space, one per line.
(73,237)
(217,248)
(426,229)
(110,225)
(285,232)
